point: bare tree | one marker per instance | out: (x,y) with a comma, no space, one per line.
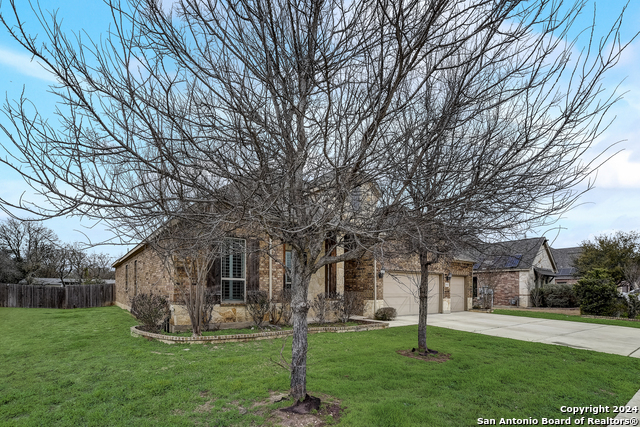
(79,262)
(63,262)
(30,243)
(9,272)
(188,251)
(631,272)
(316,121)
(100,266)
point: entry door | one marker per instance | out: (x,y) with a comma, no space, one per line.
(457,293)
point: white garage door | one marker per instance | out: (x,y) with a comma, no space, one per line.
(457,293)
(401,292)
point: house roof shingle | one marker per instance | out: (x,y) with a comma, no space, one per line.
(565,258)
(514,254)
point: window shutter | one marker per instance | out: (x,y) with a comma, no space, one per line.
(253,266)
(214,278)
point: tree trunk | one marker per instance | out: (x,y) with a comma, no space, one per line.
(300,308)
(423,300)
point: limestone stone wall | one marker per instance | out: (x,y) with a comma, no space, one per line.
(542,259)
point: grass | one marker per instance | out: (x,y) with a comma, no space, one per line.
(82,367)
(572,318)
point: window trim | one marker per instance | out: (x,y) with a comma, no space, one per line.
(474,286)
(287,280)
(234,279)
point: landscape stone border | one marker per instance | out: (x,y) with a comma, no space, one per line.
(170,339)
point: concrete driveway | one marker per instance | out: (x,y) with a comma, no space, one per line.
(588,336)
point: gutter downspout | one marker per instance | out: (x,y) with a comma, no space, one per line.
(375,286)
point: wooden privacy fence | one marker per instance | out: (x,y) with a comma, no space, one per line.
(71,296)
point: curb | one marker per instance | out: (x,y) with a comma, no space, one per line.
(168,339)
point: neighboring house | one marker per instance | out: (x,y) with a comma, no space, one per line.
(510,270)
(141,270)
(565,259)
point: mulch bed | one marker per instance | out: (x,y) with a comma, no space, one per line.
(428,357)
(330,411)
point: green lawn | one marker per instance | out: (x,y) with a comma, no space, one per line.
(572,318)
(82,367)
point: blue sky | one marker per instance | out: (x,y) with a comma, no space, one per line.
(614,203)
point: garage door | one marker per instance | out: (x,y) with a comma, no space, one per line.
(401,292)
(457,293)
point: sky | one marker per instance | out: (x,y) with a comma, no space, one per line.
(612,205)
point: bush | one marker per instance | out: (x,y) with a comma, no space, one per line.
(386,313)
(324,306)
(348,304)
(258,305)
(280,309)
(150,310)
(632,305)
(559,295)
(536,296)
(211,298)
(597,293)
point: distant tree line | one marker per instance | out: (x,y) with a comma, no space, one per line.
(618,254)
(28,250)
(605,262)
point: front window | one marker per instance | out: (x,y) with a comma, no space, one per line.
(287,263)
(233,270)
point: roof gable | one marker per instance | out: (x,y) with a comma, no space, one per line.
(513,254)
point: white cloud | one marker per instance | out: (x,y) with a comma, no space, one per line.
(599,211)
(25,64)
(619,172)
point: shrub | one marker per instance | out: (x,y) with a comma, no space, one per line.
(632,305)
(258,305)
(211,298)
(280,309)
(285,300)
(150,310)
(559,295)
(324,306)
(348,304)
(386,313)
(597,293)
(536,296)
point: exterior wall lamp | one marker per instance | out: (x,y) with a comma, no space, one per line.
(381,273)
(449,277)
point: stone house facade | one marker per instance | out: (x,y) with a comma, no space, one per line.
(142,270)
(507,272)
